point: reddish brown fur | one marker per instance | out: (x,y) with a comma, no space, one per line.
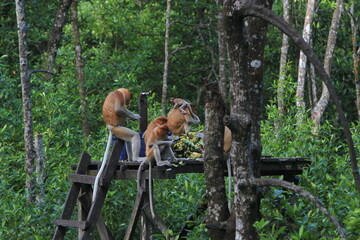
(157,130)
(227,142)
(177,121)
(177,101)
(121,97)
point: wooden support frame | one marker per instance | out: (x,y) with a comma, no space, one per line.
(142,210)
(89,210)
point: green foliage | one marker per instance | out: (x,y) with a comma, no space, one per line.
(329,178)
(123,46)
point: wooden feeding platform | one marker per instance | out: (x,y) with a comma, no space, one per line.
(89,215)
(269,166)
(89,210)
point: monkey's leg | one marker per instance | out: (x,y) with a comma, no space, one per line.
(129,136)
(182,110)
(129,150)
(171,153)
(96,184)
(157,155)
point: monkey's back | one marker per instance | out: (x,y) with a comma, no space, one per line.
(176,121)
(115,99)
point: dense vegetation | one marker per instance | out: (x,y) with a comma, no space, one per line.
(123,47)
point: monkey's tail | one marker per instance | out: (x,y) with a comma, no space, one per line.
(150,185)
(151,192)
(138,177)
(96,183)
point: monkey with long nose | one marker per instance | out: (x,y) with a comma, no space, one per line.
(115,113)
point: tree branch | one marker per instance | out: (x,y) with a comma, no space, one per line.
(248,9)
(260,182)
(43,71)
(180,48)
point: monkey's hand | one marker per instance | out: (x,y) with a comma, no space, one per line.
(134,117)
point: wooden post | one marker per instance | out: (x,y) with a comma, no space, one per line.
(146,226)
(143,111)
(82,213)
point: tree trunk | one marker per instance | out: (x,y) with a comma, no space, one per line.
(167,58)
(356,57)
(55,36)
(256,35)
(80,68)
(26,98)
(312,77)
(245,44)
(300,101)
(214,163)
(321,105)
(247,9)
(283,62)
(222,52)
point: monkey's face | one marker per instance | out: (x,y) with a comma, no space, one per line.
(127,95)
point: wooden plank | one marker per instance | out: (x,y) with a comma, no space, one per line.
(81,178)
(85,200)
(98,203)
(72,196)
(268,166)
(135,215)
(156,221)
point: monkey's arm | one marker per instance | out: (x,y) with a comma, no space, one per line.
(123,111)
(167,143)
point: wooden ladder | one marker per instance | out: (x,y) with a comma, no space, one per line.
(81,191)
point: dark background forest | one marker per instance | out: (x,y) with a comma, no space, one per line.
(122,45)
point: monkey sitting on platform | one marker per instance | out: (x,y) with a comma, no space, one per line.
(156,141)
(157,145)
(180,123)
(115,113)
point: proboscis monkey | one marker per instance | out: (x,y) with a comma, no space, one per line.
(156,142)
(181,104)
(179,123)
(115,113)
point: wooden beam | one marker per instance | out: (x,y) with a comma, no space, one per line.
(72,196)
(98,203)
(135,215)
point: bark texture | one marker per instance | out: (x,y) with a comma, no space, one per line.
(26,99)
(55,36)
(321,105)
(222,52)
(214,163)
(245,38)
(167,58)
(80,68)
(356,56)
(300,89)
